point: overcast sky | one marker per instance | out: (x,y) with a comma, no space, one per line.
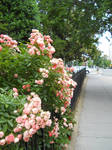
(105,44)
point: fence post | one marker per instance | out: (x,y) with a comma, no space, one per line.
(26,146)
(79,78)
(43,145)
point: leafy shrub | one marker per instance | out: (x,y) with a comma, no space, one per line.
(17,18)
(36,90)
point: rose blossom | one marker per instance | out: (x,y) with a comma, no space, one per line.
(45,75)
(15,94)
(18,129)
(66,145)
(1,40)
(0,48)
(35,110)
(1,134)
(39,81)
(2,142)
(63,110)
(48,123)
(32,131)
(15,75)
(10,138)
(19,119)
(19,136)
(31,51)
(27,124)
(65,124)
(51,142)
(26,139)
(70,125)
(27,110)
(15,90)
(16,140)
(24,86)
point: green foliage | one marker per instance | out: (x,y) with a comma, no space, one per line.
(103,62)
(18,69)
(74,25)
(90,63)
(17,18)
(22,63)
(7,106)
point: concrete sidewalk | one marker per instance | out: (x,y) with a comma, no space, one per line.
(94,127)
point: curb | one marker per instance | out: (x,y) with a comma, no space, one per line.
(77,110)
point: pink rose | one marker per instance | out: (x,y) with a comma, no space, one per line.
(19,119)
(19,136)
(17,129)
(66,145)
(26,110)
(38,52)
(35,110)
(34,126)
(63,110)
(28,85)
(45,75)
(38,119)
(0,48)
(31,122)
(32,42)
(1,134)
(16,140)
(28,90)
(31,51)
(24,116)
(48,123)
(15,90)
(32,116)
(39,81)
(24,87)
(15,94)
(70,125)
(1,40)
(64,119)
(32,131)
(2,142)
(51,142)
(65,124)
(10,138)
(37,127)
(15,75)
(26,139)
(29,98)
(27,124)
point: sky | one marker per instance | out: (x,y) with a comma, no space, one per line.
(105,44)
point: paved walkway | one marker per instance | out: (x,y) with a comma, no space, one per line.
(95,121)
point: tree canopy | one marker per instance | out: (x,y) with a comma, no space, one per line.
(74,24)
(18,18)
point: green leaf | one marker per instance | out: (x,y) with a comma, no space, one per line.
(10,123)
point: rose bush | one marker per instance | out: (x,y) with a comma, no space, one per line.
(36,91)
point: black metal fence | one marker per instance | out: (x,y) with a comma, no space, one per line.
(33,143)
(79,78)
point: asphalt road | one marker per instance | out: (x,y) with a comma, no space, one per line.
(107,72)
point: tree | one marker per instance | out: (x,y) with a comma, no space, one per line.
(103,62)
(73,24)
(18,18)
